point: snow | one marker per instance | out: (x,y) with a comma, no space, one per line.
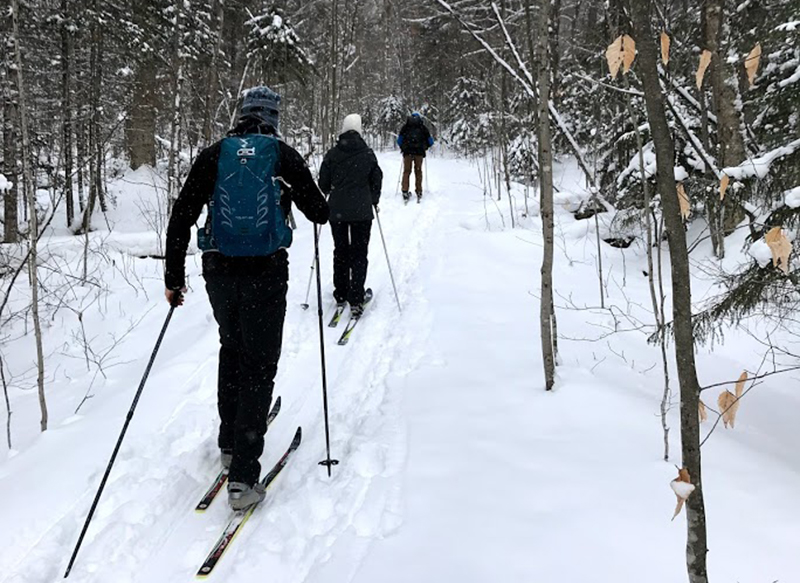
(455,465)
(790,26)
(5,184)
(682,489)
(759,167)
(761,252)
(633,168)
(681,174)
(792,197)
(793,78)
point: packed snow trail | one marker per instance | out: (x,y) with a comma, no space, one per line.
(455,464)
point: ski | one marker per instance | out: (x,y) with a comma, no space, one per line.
(222,477)
(337,315)
(348,331)
(240,518)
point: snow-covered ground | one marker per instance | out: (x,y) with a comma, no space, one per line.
(455,464)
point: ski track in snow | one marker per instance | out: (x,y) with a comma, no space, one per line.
(455,465)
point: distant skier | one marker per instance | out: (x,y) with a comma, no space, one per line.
(351,175)
(248,180)
(414,140)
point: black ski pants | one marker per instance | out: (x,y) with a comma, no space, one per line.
(250,309)
(350,250)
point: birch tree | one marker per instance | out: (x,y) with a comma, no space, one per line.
(696,547)
(547,308)
(29,192)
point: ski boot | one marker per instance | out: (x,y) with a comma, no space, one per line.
(406,196)
(357,310)
(240,495)
(419,197)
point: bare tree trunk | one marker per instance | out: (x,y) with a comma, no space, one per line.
(80,146)
(334,64)
(209,119)
(10,111)
(29,189)
(177,88)
(696,548)
(532,52)
(8,402)
(555,54)
(731,150)
(546,312)
(66,93)
(504,129)
(140,128)
(651,274)
(94,149)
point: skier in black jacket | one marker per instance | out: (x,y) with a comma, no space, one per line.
(414,140)
(247,293)
(351,175)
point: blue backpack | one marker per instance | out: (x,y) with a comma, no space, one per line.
(245,218)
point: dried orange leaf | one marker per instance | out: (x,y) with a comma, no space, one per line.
(740,384)
(683,199)
(723,185)
(621,51)
(665,48)
(703,413)
(683,488)
(728,406)
(751,63)
(781,248)
(628,52)
(705,61)
(614,56)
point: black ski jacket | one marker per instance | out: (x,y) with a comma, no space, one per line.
(297,186)
(351,175)
(414,138)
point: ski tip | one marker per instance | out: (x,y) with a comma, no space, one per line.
(298,437)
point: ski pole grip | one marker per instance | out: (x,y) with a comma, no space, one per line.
(177,298)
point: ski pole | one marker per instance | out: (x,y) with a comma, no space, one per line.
(388,263)
(327,462)
(175,303)
(427,189)
(305,305)
(399,177)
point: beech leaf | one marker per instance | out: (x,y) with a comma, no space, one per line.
(621,52)
(728,406)
(665,42)
(683,199)
(705,61)
(751,63)
(723,185)
(740,384)
(781,248)
(683,488)
(702,411)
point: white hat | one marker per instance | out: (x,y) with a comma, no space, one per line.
(352,122)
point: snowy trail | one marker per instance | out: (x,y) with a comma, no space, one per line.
(145,529)
(456,465)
